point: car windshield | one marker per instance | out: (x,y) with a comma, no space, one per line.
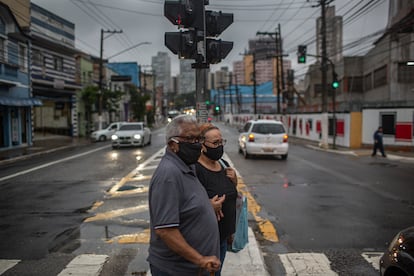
(268,128)
(131,127)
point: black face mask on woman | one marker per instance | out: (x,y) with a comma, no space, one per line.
(189,152)
(214,153)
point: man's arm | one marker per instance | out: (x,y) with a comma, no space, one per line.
(176,242)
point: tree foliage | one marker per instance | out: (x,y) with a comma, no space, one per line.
(137,102)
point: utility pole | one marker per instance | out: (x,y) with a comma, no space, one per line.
(254,85)
(237,95)
(100,92)
(324,70)
(279,81)
(230,92)
(280,56)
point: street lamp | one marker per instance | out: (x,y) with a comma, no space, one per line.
(101,65)
(130,48)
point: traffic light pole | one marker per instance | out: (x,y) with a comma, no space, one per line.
(201,94)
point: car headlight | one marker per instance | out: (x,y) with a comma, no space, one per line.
(114,137)
(137,136)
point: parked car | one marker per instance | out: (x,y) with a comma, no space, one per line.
(264,137)
(398,259)
(106,133)
(131,134)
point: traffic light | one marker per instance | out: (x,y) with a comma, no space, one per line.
(335,82)
(216,23)
(182,43)
(301,54)
(186,14)
(198,30)
(216,110)
(217,50)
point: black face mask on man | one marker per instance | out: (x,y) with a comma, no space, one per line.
(189,152)
(214,153)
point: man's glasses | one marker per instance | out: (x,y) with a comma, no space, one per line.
(187,139)
(217,143)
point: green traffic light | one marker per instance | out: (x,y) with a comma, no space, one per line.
(217,108)
(302,59)
(335,84)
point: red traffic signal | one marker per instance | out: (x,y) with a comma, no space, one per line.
(185,13)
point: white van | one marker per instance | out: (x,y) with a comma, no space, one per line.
(106,133)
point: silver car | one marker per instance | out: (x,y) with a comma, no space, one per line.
(264,137)
(131,134)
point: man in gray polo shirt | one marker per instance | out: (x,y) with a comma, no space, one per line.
(184,231)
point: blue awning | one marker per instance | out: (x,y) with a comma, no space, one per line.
(11,101)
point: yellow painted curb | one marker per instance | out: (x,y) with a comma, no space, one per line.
(265,226)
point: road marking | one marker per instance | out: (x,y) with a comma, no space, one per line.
(117,213)
(7,264)
(265,226)
(85,265)
(373,258)
(141,237)
(51,163)
(306,264)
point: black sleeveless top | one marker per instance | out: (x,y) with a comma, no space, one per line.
(217,183)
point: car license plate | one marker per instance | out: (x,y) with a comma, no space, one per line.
(267,149)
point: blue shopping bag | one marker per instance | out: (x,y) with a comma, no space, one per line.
(241,236)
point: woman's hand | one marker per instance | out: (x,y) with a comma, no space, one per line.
(217,202)
(231,173)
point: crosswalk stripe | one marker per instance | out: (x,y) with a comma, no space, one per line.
(85,265)
(7,264)
(295,264)
(303,264)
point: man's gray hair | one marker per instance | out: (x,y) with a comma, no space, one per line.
(174,127)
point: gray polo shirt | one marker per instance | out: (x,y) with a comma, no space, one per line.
(177,199)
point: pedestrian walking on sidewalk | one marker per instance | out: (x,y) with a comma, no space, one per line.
(184,238)
(220,182)
(378,142)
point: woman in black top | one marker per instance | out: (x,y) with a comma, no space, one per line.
(220,182)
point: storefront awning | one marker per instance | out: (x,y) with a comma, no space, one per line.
(11,101)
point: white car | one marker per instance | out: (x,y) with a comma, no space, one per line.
(106,133)
(131,134)
(264,137)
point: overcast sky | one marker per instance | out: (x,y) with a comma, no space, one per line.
(143,21)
